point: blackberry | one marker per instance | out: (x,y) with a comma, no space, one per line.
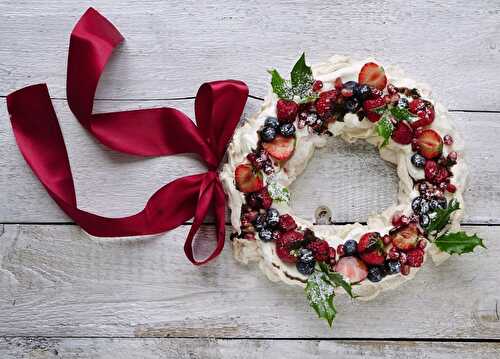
(420,205)
(268,134)
(272,122)
(375,274)
(287,129)
(443,203)
(266,235)
(402,103)
(305,263)
(392,267)
(260,222)
(363,92)
(352,85)
(273,217)
(352,105)
(350,247)
(418,160)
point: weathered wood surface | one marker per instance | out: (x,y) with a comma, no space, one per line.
(56,281)
(351,179)
(173,46)
(53,348)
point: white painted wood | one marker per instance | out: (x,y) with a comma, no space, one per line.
(56,281)
(103,348)
(351,179)
(174,46)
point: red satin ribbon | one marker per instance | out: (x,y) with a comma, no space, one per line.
(151,132)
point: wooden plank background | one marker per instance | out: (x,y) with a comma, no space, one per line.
(63,294)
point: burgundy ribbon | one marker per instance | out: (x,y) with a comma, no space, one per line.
(150,132)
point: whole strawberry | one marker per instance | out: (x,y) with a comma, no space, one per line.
(320,249)
(285,246)
(286,110)
(415,257)
(370,248)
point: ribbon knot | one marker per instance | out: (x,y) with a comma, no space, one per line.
(146,132)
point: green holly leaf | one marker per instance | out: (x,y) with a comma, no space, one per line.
(401,114)
(458,243)
(301,77)
(384,129)
(442,217)
(320,293)
(280,85)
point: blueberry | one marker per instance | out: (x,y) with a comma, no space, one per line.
(443,203)
(363,92)
(420,205)
(418,160)
(403,103)
(266,235)
(352,105)
(424,206)
(434,204)
(268,134)
(351,85)
(350,247)
(272,122)
(392,267)
(260,222)
(424,220)
(287,129)
(273,217)
(305,263)
(375,274)
(311,119)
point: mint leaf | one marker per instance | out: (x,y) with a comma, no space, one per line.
(320,295)
(401,114)
(301,77)
(442,217)
(458,243)
(279,85)
(278,192)
(384,129)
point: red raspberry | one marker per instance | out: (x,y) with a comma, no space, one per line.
(415,257)
(286,110)
(393,253)
(324,103)
(320,249)
(331,94)
(287,223)
(403,257)
(441,175)
(265,198)
(430,169)
(317,85)
(284,245)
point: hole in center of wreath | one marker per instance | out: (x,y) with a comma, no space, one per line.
(350,180)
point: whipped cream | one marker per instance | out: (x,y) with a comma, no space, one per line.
(246,138)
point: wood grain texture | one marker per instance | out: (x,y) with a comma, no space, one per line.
(103,348)
(173,46)
(56,281)
(352,180)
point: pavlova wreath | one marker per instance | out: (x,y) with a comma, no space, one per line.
(352,100)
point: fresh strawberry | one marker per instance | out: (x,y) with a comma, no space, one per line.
(403,133)
(320,249)
(353,268)
(285,245)
(370,248)
(406,238)
(424,111)
(415,257)
(247,180)
(429,144)
(373,75)
(286,110)
(416,105)
(373,108)
(281,148)
(287,223)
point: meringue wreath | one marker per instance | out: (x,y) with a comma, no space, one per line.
(352,100)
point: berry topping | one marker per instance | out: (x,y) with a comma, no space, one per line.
(353,268)
(287,129)
(320,250)
(363,92)
(402,103)
(420,205)
(430,144)
(451,188)
(273,218)
(370,248)
(452,157)
(271,122)
(266,235)
(406,238)
(448,140)
(265,198)
(418,160)
(338,84)
(281,148)
(375,274)
(305,263)
(416,105)
(317,85)
(424,111)
(415,257)
(324,104)
(373,108)
(285,245)
(286,110)
(403,133)
(287,223)
(352,105)
(268,134)
(350,247)
(424,220)
(373,75)
(431,170)
(392,267)
(247,180)
(341,250)
(405,269)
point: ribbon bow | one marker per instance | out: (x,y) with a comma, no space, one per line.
(148,132)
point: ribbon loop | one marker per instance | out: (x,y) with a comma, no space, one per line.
(148,132)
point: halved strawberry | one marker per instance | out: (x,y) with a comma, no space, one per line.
(403,133)
(281,147)
(406,238)
(353,268)
(286,243)
(430,144)
(424,110)
(373,75)
(371,248)
(374,108)
(247,180)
